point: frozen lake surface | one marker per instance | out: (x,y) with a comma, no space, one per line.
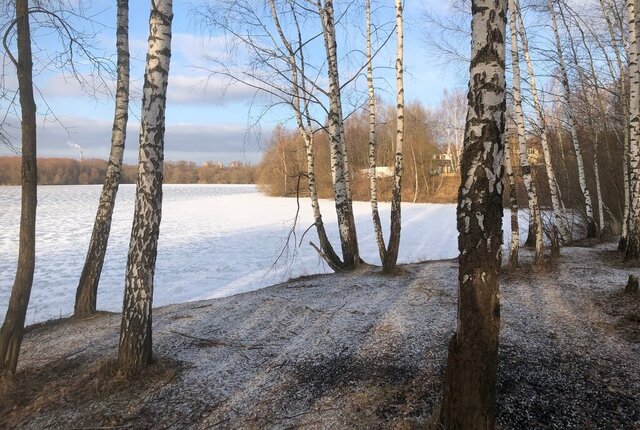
(215,241)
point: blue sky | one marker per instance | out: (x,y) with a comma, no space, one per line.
(205,120)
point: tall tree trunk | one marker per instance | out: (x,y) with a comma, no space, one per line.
(622,243)
(596,171)
(592,231)
(88,285)
(339,161)
(284,168)
(590,117)
(514,245)
(416,184)
(560,229)
(12,330)
(469,399)
(373,185)
(135,333)
(535,217)
(300,108)
(633,231)
(617,144)
(391,257)
(326,249)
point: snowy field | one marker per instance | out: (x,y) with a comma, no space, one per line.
(215,241)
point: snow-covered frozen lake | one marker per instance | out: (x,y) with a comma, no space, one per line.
(215,240)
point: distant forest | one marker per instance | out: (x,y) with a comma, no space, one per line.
(426,179)
(69,171)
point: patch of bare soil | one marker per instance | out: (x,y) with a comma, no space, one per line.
(357,350)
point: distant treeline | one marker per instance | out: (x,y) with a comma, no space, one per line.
(426,179)
(68,171)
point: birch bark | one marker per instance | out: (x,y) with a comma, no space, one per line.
(514,245)
(596,171)
(590,117)
(622,243)
(391,257)
(134,351)
(535,223)
(339,160)
(592,231)
(633,241)
(373,186)
(559,219)
(469,398)
(301,112)
(88,285)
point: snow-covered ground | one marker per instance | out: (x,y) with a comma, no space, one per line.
(215,241)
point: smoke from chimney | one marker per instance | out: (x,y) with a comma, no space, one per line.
(77,147)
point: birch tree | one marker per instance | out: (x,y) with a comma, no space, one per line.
(88,285)
(391,256)
(561,232)
(592,231)
(54,19)
(373,187)
(134,351)
(622,243)
(300,105)
(469,399)
(633,230)
(295,81)
(535,218)
(339,157)
(510,179)
(12,330)
(584,85)
(450,121)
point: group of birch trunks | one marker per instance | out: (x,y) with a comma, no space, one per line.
(587,133)
(135,347)
(135,337)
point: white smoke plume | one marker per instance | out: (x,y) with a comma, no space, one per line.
(77,147)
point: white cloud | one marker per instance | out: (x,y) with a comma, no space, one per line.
(184,89)
(183,141)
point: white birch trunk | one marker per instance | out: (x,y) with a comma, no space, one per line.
(514,245)
(300,109)
(391,257)
(622,244)
(633,241)
(135,333)
(88,284)
(284,168)
(564,79)
(596,170)
(339,161)
(527,174)
(373,187)
(590,117)
(559,219)
(416,183)
(469,395)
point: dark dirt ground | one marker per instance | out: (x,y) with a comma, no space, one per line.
(358,350)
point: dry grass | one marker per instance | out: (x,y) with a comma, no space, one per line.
(74,382)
